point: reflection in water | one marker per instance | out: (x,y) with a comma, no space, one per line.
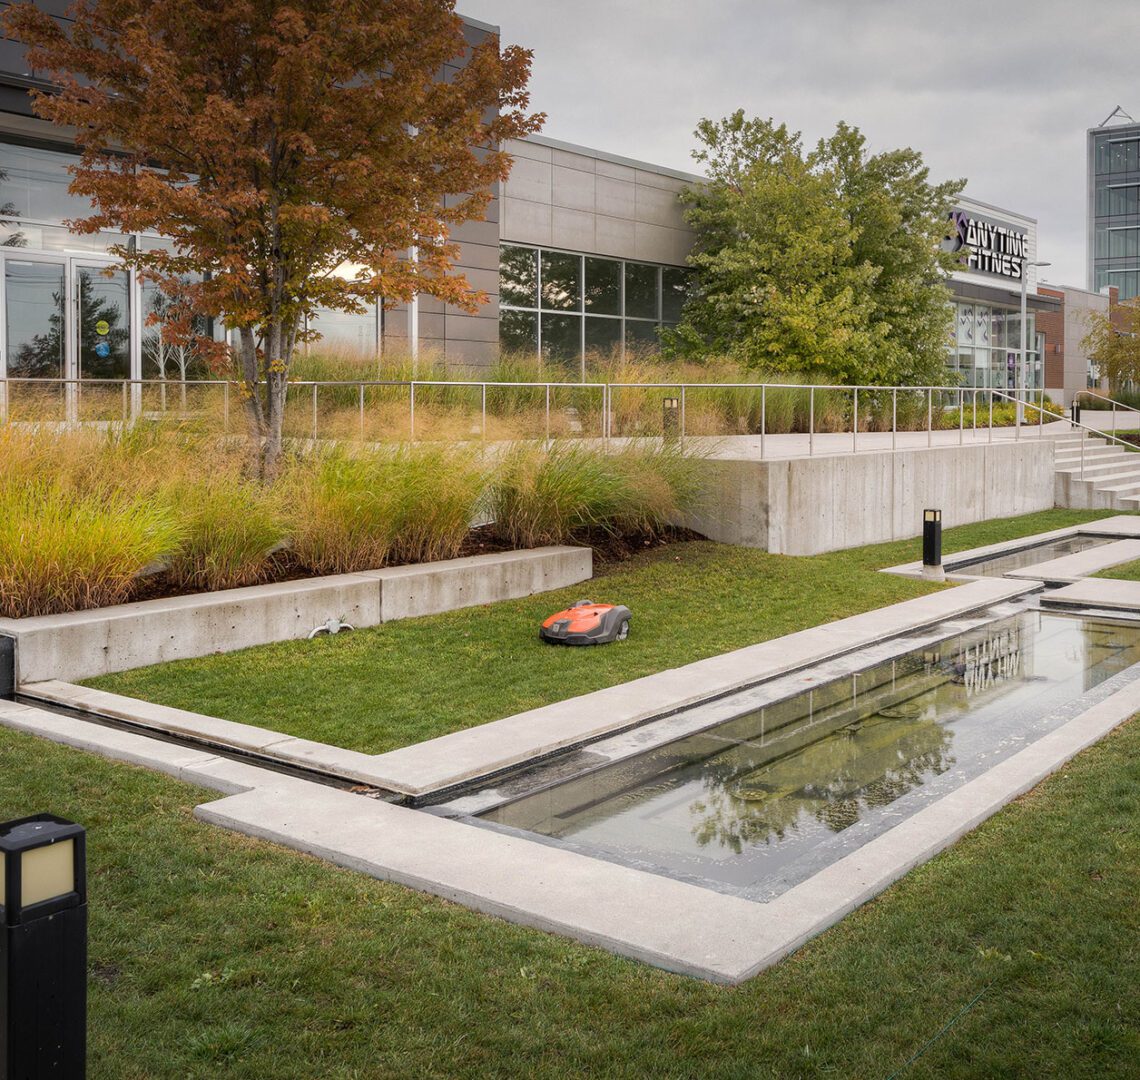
(771,794)
(867,763)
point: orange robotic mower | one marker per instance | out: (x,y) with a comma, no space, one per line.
(587,623)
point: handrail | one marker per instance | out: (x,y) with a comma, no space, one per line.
(949,397)
(1093,431)
(1112,401)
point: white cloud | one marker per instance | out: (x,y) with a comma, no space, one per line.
(997,91)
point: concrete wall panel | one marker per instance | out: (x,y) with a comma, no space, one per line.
(805,506)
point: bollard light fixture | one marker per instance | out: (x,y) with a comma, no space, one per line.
(670,418)
(43,949)
(932,546)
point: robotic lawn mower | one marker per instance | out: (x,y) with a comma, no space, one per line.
(587,623)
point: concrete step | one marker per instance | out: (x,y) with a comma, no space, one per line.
(1090,454)
(1100,469)
(1122,487)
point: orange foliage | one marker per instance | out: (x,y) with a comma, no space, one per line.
(277,143)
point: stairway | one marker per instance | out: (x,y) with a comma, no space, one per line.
(1111,477)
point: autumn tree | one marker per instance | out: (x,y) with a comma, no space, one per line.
(293,151)
(822,262)
(1113,343)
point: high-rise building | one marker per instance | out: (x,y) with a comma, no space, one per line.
(1114,205)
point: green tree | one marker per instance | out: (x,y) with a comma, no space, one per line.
(1115,346)
(825,263)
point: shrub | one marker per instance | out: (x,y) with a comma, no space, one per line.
(63,550)
(358,511)
(543,496)
(231,528)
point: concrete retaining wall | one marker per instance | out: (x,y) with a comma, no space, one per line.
(84,644)
(804,506)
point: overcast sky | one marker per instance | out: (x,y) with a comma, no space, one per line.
(998,92)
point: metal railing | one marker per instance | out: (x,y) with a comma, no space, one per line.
(1102,397)
(371,409)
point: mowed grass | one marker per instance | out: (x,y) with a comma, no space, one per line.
(374,690)
(1014,954)
(1129,571)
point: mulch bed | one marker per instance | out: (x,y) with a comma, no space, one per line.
(609,551)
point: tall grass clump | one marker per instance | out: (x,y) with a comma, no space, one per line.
(231,528)
(541,495)
(360,510)
(545,495)
(65,550)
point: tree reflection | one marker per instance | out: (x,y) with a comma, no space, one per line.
(866,764)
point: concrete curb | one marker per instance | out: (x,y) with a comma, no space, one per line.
(84,644)
(439,764)
(667,923)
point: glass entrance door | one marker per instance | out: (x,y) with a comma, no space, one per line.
(34,311)
(102,322)
(67,340)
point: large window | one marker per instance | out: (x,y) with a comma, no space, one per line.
(564,305)
(1116,155)
(1121,242)
(987,344)
(1115,199)
(1127,280)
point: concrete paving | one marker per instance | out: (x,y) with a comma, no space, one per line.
(1124,526)
(661,921)
(84,644)
(753,448)
(462,756)
(1096,593)
(1081,563)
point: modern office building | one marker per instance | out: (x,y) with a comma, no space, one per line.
(580,250)
(1114,205)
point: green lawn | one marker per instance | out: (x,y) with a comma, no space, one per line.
(374,690)
(213,955)
(1129,571)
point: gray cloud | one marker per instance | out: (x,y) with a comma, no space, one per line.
(997,92)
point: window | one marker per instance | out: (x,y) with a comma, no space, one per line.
(642,291)
(518,277)
(518,331)
(1118,243)
(562,305)
(603,286)
(561,281)
(1115,199)
(1114,155)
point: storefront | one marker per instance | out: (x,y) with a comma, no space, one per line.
(998,249)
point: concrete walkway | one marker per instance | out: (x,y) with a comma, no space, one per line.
(752,447)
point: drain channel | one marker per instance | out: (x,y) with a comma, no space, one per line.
(222,750)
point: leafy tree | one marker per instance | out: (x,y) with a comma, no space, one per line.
(824,263)
(277,142)
(1114,344)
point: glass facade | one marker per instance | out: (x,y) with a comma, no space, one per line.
(986,344)
(1116,210)
(563,305)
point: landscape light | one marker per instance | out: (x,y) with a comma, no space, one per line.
(43,949)
(932,546)
(670,418)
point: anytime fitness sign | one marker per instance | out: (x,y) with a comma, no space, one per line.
(989,247)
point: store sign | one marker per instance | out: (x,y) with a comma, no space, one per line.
(988,247)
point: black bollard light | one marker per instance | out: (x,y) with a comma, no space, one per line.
(671,419)
(43,949)
(1076,411)
(932,546)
